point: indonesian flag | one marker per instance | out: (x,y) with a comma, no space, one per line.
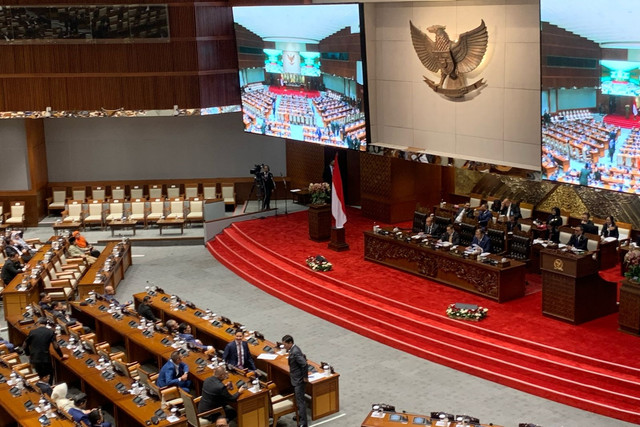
(337,197)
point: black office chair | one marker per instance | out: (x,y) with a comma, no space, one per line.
(467,231)
(419,221)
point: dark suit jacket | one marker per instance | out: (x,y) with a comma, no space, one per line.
(214,395)
(484,217)
(297,366)
(607,233)
(36,346)
(10,269)
(230,355)
(515,211)
(485,243)
(455,239)
(434,231)
(589,227)
(578,242)
(145,311)
(167,375)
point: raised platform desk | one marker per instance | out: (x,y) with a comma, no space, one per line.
(494,282)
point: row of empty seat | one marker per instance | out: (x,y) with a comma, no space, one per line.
(99,212)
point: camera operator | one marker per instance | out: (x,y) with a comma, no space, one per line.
(268,185)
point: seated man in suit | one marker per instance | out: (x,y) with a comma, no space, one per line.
(215,394)
(589,226)
(431,228)
(464,212)
(481,241)
(174,372)
(512,224)
(483,215)
(578,240)
(451,235)
(237,353)
(509,208)
(184,332)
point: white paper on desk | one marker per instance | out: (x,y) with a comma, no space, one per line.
(562,245)
(172,418)
(610,239)
(316,376)
(267,356)
(295,190)
(377,414)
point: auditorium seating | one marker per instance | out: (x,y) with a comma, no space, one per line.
(157,211)
(79,193)
(58,199)
(280,405)
(173,191)
(209,191)
(137,192)
(155,192)
(195,418)
(138,211)
(176,209)
(115,211)
(99,193)
(195,212)
(74,212)
(118,192)
(15,217)
(95,214)
(191,191)
(228,195)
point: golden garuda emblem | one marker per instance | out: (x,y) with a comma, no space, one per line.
(451,59)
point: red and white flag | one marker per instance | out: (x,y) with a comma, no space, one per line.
(337,197)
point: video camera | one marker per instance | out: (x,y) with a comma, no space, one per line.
(256,169)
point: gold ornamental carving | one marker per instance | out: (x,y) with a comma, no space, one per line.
(558,264)
(451,59)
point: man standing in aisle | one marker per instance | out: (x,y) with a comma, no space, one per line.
(37,345)
(299,377)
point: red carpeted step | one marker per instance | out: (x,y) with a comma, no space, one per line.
(605,367)
(380,332)
(511,363)
(555,370)
(514,322)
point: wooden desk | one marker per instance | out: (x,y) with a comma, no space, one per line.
(252,408)
(572,290)
(119,224)
(497,283)
(15,297)
(178,222)
(121,260)
(100,391)
(324,392)
(412,419)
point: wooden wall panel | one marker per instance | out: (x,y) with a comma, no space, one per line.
(559,42)
(213,21)
(90,76)
(341,41)
(37,156)
(305,163)
(246,38)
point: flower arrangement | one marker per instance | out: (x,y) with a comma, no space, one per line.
(466,312)
(319,263)
(319,193)
(632,261)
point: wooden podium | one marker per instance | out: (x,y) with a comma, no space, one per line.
(629,317)
(319,222)
(572,290)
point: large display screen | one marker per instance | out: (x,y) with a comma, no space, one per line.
(590,95)
(620,78)
(303,72)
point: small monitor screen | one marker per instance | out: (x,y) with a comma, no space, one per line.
(303,72)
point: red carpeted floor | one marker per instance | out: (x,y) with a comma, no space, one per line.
(590,366)
(283,90)
(620,120)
